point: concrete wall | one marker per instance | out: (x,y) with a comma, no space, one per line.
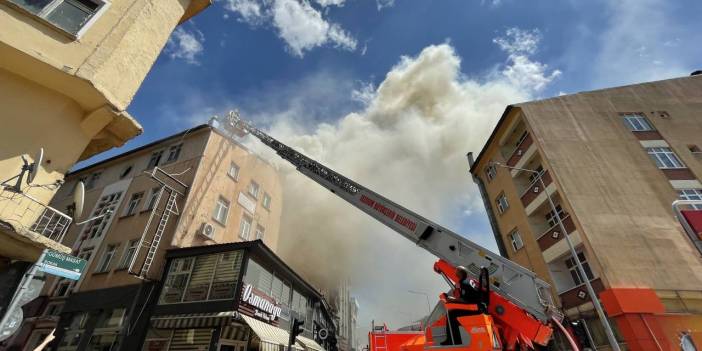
(620,198)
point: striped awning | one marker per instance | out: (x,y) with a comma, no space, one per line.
(269,334)
(309,344)
(193,320)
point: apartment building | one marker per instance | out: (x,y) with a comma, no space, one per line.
(613,161)
(197,187)
(345,308)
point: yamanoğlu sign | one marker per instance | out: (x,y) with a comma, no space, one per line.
(265,309)
(62,265)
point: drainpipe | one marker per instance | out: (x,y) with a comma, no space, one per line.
(488,209)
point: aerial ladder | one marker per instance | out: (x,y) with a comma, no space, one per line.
(520,310)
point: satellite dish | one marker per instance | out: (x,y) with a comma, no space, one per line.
(78,199)
(34,168)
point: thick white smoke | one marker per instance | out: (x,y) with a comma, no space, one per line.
(409,144)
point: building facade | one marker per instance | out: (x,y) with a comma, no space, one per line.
(345,308)
(220,191)
(613,161)
(69,69)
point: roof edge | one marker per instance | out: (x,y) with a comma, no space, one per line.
(508,110)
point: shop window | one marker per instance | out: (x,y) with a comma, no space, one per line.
(664,157)
(176,280)
(174,152)
(205,277)
(575,273)
(637,122)
(199,284)
(226,275)
(133,204)
(155,159)
(191,339)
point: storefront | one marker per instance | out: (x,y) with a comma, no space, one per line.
(239,297)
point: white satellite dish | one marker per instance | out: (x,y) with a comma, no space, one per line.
(34,168)
(78,199)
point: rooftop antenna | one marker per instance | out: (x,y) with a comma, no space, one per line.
(31,169)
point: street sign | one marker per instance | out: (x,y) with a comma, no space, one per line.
(62,265)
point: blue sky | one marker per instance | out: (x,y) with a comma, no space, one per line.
(334,76)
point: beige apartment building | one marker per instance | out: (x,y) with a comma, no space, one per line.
(613,161)
(222,193)
(68,71)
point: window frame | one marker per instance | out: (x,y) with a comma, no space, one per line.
(514,238)
(150,204)
(245,218)
(259,234)
(235,176)
(551,218)
(637,122)
(42,15)
(218,207)
(174,152)
(659,154)
(250,188)
(693,194)
(155,159)
(132,206)
(266,201)
(126,257)
(501,208)
(490,172)
(111,250)
(572,267)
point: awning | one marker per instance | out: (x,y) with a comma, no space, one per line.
(310,344)
(268,333)
(193,320)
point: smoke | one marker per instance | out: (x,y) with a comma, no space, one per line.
(408,142)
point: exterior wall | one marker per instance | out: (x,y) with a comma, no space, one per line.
(212,182)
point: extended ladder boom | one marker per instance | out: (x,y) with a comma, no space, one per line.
(514,282)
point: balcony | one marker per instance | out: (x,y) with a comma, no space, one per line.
(30,221)
(578,295)
(554,234)
(520,151)
(535,189)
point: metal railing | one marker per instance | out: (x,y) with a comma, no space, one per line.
(19,209)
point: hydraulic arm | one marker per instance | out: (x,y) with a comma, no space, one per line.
(510,282)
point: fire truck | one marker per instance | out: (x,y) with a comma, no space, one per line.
(516,311)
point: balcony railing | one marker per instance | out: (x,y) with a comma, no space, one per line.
(577,295)
(554,234)
(535,188)
(519,151)
(22,211)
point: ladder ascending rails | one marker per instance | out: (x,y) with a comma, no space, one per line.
(170,208)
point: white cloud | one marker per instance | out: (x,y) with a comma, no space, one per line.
(186,45)
(521,70)
(644,40)
(408,143)
(381,4)
(297,22)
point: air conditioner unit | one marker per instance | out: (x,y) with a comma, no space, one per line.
(207,230)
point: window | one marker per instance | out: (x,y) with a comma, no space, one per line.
(53,309)
(221,210)
(233,171)
(73,16)
(260,231)
(533,177)
(152,198)
(502,204)
(266,201)
(516,240)
(75,330)
(177,279)
(129,252)
(490,172)
(299,304)
(111,318)
(104,264)
(133,204)
(155,159)
(63,287)
(522,138)
(664,157)
(691,194)
(92,181)
(86,253)
(573,268)
(245,227)
(107,207)
(174,152)
(551,215)
(253,189)
(125,172)
(637,123)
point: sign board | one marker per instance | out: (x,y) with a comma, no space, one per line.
(264,307)
(247,203)
(62,265)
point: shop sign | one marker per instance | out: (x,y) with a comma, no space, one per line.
(264,308)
